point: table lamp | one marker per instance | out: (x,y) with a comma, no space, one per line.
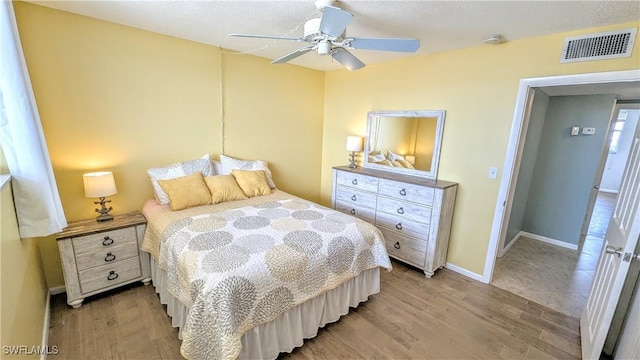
(99,185)
(354,143)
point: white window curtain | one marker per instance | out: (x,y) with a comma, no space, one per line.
(35,192)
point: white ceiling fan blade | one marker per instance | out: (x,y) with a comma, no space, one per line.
(347,59)
(334,21)
(386,44)
(266,37)
(293,55)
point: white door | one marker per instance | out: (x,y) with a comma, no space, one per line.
(617,253)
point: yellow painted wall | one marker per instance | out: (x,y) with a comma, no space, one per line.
(23,290)
(477,87)
(117,98)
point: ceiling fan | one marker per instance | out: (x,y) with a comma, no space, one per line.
(327,35)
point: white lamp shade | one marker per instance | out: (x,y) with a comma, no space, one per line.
(99,184)
(354,143)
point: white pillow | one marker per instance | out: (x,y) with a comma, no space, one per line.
(216,166)
(376,156)
(229,164)
(202,165)
(393,156)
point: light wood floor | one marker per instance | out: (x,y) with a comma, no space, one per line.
(446,317)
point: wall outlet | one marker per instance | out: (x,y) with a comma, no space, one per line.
(493,172)
(588,131)
(575,130)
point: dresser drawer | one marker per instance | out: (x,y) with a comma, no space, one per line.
(355,197)
(362,182)
(109,275)
(405,248)
(409,192)
(104,240)
(404,210)
(366,214)
(105,256)
(403,226)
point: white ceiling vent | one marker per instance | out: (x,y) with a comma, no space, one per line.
(600,46)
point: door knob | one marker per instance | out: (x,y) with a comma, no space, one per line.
(612,250)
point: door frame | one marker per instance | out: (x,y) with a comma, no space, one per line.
(517,137)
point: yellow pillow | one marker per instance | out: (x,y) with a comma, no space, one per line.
(252,182)
(186,191)
(223,188)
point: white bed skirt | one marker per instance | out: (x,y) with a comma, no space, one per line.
(288,330)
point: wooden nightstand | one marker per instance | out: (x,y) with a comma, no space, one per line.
(99,256)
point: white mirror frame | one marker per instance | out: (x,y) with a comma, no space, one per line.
(433,172)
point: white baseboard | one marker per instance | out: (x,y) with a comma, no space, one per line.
(57,290)
(509,245)
(45,327)
(608,191)
(549,240)
(465,272)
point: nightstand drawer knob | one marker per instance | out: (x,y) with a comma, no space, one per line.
(110,257)
(396,245)
(352,211)
(400,210)
(354,198)
(399,226)
(354,181)
(112,275)
(403,192)
(107,241)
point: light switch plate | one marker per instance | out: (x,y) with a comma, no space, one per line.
(588,131)
(493,172)
(575,130)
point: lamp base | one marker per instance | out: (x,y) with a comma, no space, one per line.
(352,160)
(103,211)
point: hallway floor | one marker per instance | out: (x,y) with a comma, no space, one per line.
(553,276)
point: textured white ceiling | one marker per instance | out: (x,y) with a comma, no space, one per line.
(439,25)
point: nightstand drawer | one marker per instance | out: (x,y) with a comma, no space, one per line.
(105,256)
(109,275)
(104,240)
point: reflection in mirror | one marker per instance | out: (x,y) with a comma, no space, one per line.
(404,141)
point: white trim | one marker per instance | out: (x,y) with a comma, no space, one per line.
(45,328)
(462,271)
(608,191)
(514,139)
(509,245)
(57,290)
(548,240)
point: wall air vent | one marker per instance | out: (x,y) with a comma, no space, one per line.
(600,46)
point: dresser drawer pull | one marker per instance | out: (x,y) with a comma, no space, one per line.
(110,257)
(403,192)
(107,241)
(397,245)
(352,211)
(354,198)
(112,275)
(399,226)
(354,181)
(400,210)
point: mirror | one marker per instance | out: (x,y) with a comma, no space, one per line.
(405,142)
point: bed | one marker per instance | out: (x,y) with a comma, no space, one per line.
(253,278)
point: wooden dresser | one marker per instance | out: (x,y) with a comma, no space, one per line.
(99,256)
(413,213)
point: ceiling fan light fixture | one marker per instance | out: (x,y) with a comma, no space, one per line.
(324,47)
